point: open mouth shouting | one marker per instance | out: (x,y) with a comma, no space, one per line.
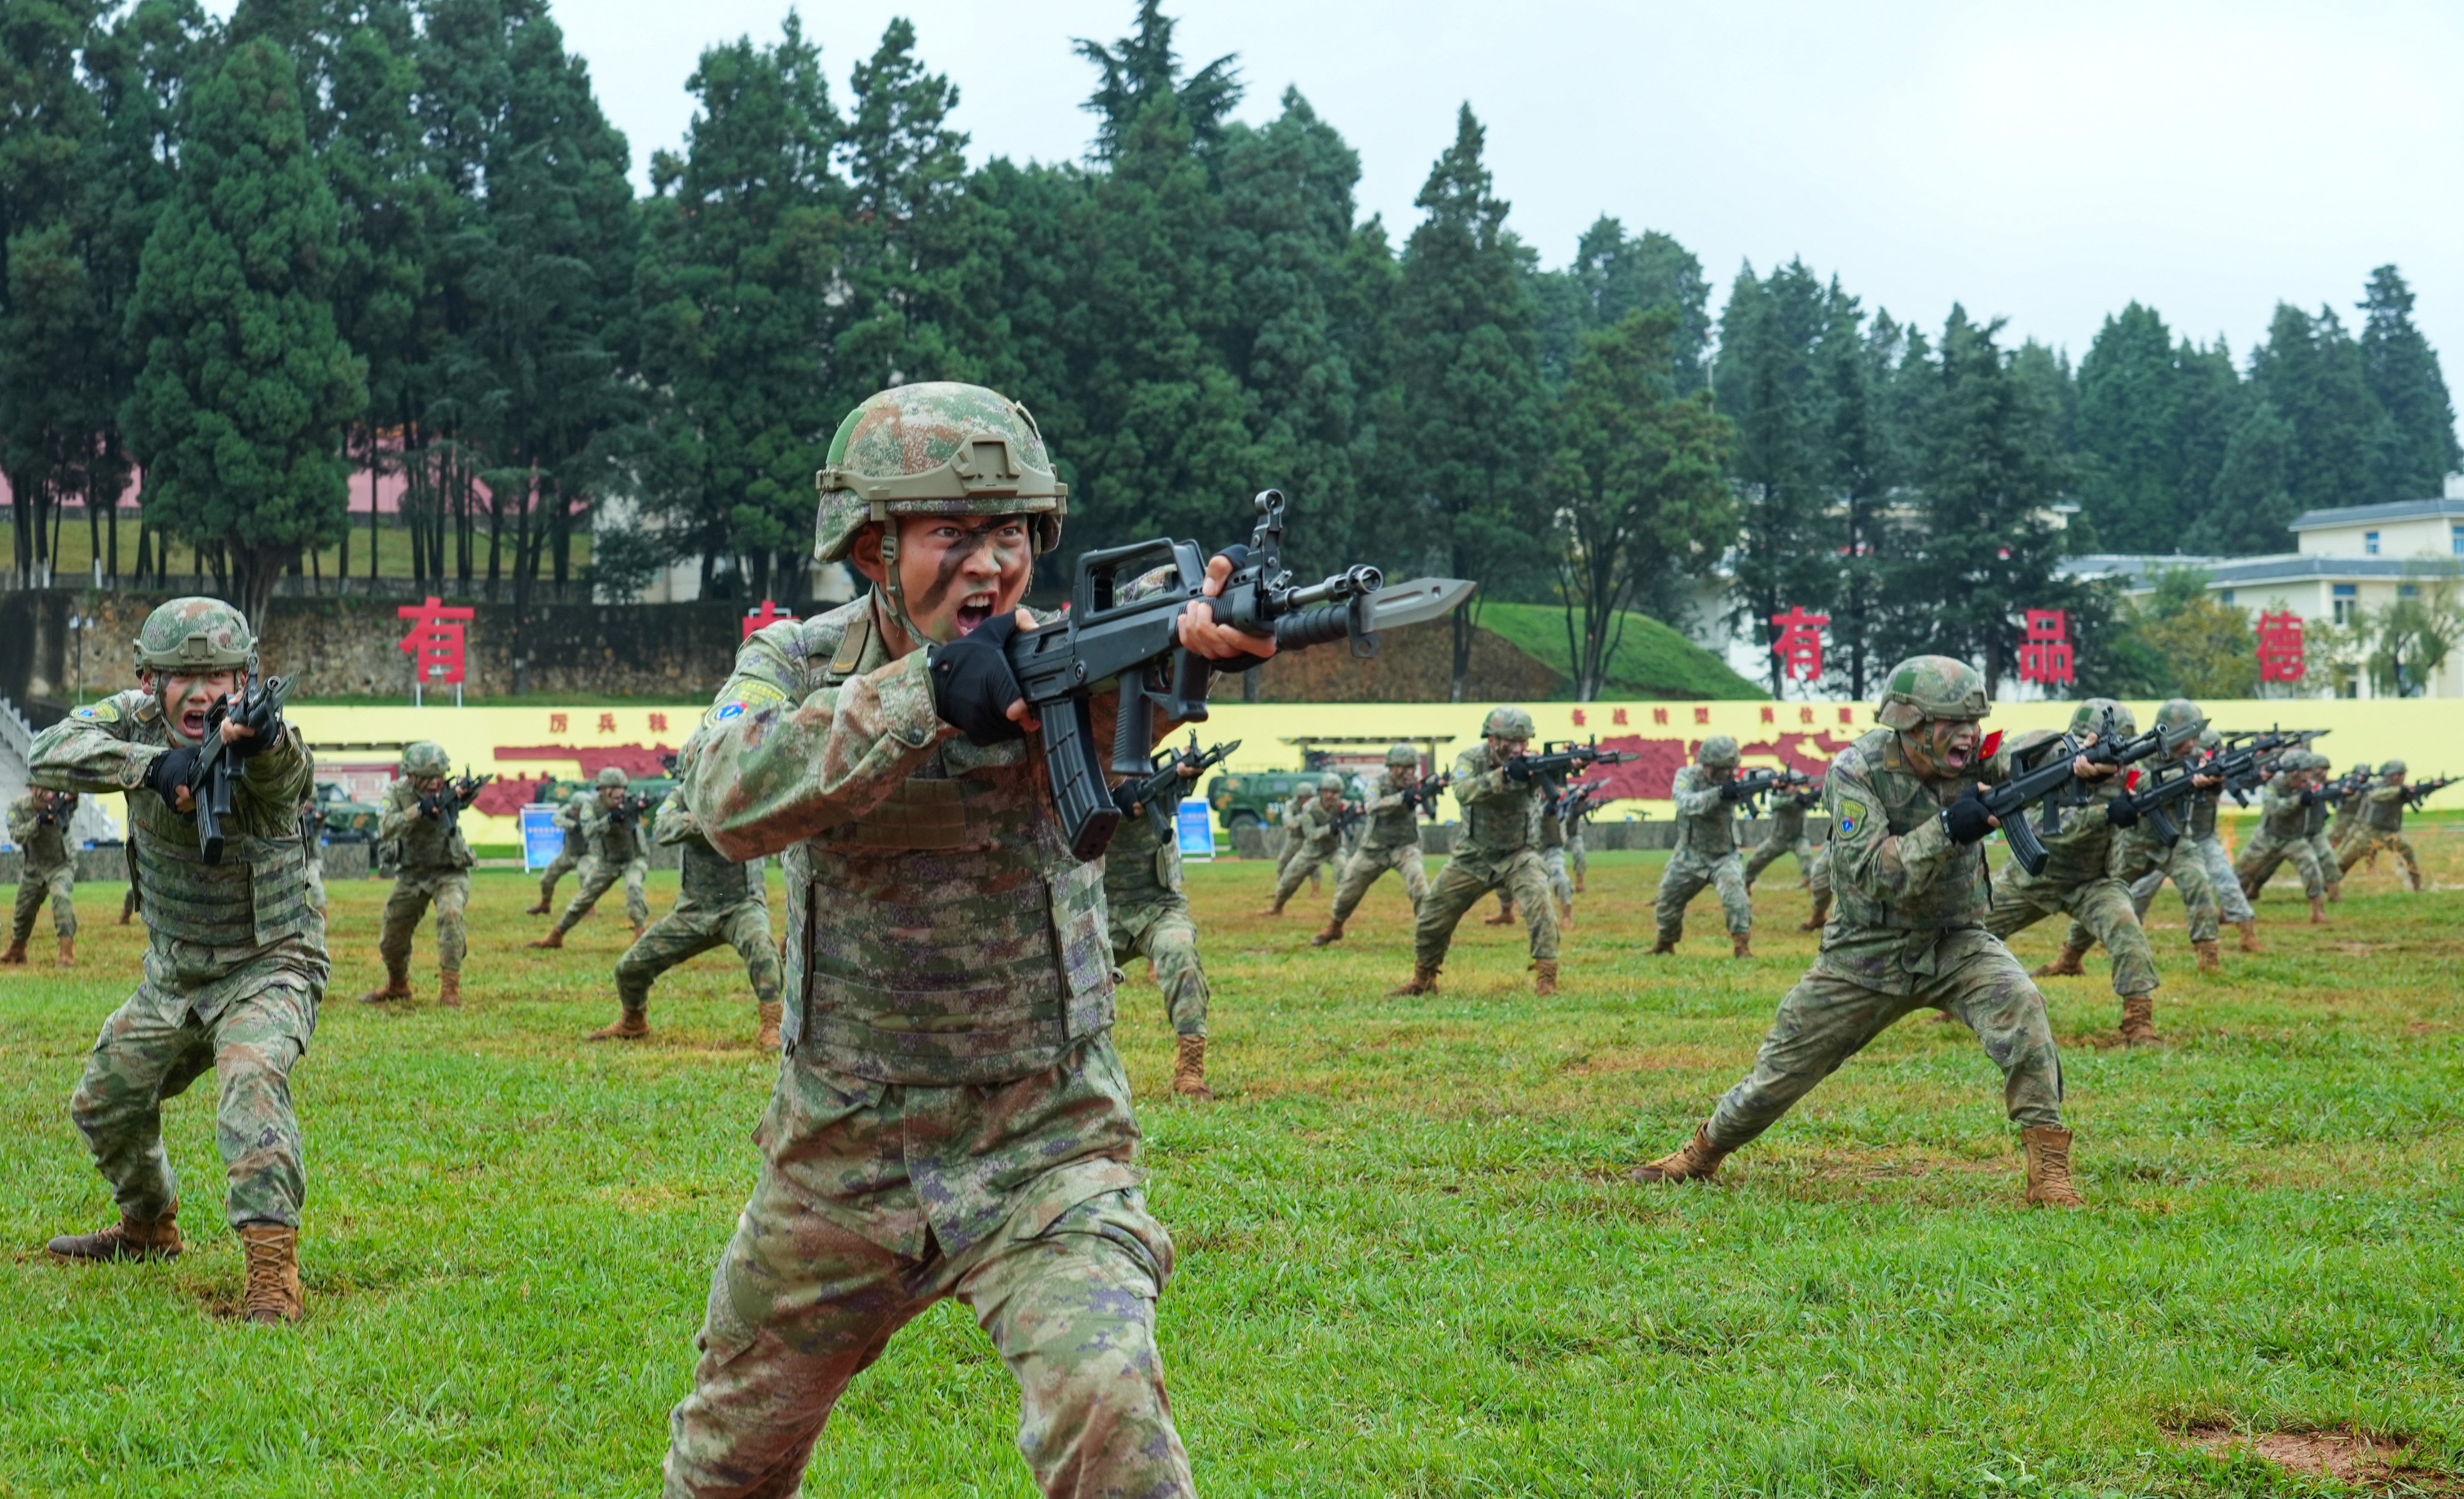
(974,610)
(192,723)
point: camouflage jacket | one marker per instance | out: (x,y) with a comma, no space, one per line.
(711,881)
(214,931)
(1142,868)
(1707,822)
(1911,902)
(606,839)
(1393,823)
(1787,820)
(2281,816)
(425,845)
(44,845)
(1316,827)
(2382,809)
(1501,814)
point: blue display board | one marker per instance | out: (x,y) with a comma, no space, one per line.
(1197,827)
(541,839)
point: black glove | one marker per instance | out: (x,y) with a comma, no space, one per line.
(265,731)
(1518,769)
(972,683)
(169,772)
(1966,820)
(2309,799)
(2121,811)
(1730,790)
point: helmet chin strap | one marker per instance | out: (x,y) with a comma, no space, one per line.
(893,590)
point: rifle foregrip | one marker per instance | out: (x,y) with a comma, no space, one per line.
(1088,816)
(2025,846)
(1312,626)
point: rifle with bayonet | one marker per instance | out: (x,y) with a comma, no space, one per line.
(2421,791)
(1160,787)
(2246,774)
(446,801)
(1123,629)
(2045,776)
(210,776)
(1559,759)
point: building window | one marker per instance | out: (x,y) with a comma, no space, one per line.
(2347,598)
(2225,596)
(2455,539)
(2408,591)
(2369,544)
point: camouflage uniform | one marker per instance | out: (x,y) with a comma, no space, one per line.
(312,837)
(2200,849)
(1313,838)
(2139,851)
(1295,834)
(568,854)
(1497,848)
(616,851)
(951,1119)
(1706,852)
(1391,841)
(2378,823)
(1786,835)
(2322,849)
(2075,883)
(434,865)
(236,963)
(1552,850)
(1149,915)
(722,905)
(2283,833)
(48,871)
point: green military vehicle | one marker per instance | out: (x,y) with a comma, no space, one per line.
(1257,798)
(345,821)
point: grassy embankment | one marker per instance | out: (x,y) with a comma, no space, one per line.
(1408,1263)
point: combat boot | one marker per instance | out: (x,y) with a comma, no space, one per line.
(449,990)
(2335,891)
(767,1038)
(1696,1162)
(397,987)
(1424,981)
(129,1239)
(640,927)
(555,939)
(2138,1019)
(2250,936)
(1333,933)
(2066,966)
(630,1025)
(128,913)
(1664,947)
(1819,915)
(1565,913)
(2208,961)
(2049,1167)
(68,951)
(273,1255)
(1275,910)
(538,909)
(2317,911)
(1504,918)
(1544,982)
(1189,1069)
(1743,942)
(16,953)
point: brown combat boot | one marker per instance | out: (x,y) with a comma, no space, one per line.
(1189,1069)
(273,1255)
(397,987)
(1664,947)
(1275,910)
(129,1239)
(538,909)
(2208,961)
(1544,982)
(2066,966)
(630,1025)
(555,939)
(1333,933)
(128,913)
(1565,913)
(2317,911)
(16,953)
(767,1038)
(68,951)
(449,990)
(1504,918)
(1819,915)
(1424,981)
(1743,943)
(2335,891)
(2138,1019)
(1695,1162)
(640,927)
(2250,936)
(2049,1167)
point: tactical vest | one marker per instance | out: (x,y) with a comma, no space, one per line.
(1705,835)
(2281,815)
(711,878)
(1504,825)
(2383,809)
(1143,863)
(1395,827)
(2203,813)
(257,896)
(1956,898)
(946,937)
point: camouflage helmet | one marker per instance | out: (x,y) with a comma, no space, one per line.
(1720,752)
(1306,791)
(2088,718)
(2212,740)
(937,449)
(1506,723)
(612,776)
(1331,781)
(1931,687)
(2181,721)
(2393,767)
(426,757)
(1403,756)
(196,634)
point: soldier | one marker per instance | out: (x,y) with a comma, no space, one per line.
(235,959)
(1149,917)
(2378,823)
(312,838)
(1392,841)
(1553,844)
(952,1119)
(2138,851)
(611,832)
(1294,812)
(2283,833)
(568,854)
(721,904)
(2199,832)
(1578,859)
(1318,827)
(38,825)
(1911,879)
(1786,835)
(2313,828)
(432,863)
(2077,881)
(1499,846)
(1705,794)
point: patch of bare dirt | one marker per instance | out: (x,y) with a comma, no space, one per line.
(2345,1457)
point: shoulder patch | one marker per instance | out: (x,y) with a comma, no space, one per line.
(99,712)
(1852,815)
(744,696)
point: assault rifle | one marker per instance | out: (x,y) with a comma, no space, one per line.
(2244,775)
(1422,799)
(64,807)
(1124,628)
(2351,783)
(1579,802)
(1560,759)
(1177,767)
(210,778)
(2421,791)
(2045,775)
(1756,784)
(629,809)
(447,801)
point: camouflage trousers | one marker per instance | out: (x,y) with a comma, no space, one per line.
(317,884)
(2231,905)
(1367,865)
(151,1048)
(1302,866)
(1458,888)
(33,890)
(2182,864)
(1828,1017)
(1817,875)
(1291,855)
(1577,857)
(563,865)
(597,879)
(1160,932)
(2260,856)
(1561,884)
(2099,909)
(1767,853)
(2323,849)
(684,933)
(412,890)
(1683,879)
(2366,845)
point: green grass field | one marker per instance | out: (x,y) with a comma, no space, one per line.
(1408,1263)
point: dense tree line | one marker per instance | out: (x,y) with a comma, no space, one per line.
(274,260)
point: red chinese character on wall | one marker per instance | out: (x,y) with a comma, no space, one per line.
(1701,716)
(606,723)
(1618,717)
(434,644)
(1578,717)
(556,723)
(1659,716)
(1798,642)
(658,724)
(2279,648)
(769,615)
(1805,716)
(2045,652)
(1767,717)
(1848,715)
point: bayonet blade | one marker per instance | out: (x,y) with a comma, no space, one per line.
(1421,598)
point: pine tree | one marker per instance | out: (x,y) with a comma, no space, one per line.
(2251,500)
(1141,70)
(2311,372)
(1768,387)
(1861,463)
(2402,371)
(1614,275)
(2131,491)
(247,383)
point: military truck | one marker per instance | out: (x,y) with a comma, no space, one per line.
(1257,798)
(346,821)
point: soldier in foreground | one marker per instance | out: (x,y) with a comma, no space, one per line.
(1705,794)
(1786,835)
(568,854)
(236,956)
(721,904)
(1392,841)
(611,832)
(1317,830)
(1909,934)
(1498,847)
(952,1119)
(38,825)
(2140,853)
(2077,881)
(421,819)
(2378,823)
(2285,809)
(1149,919)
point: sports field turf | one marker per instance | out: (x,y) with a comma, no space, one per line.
(1409,1264)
